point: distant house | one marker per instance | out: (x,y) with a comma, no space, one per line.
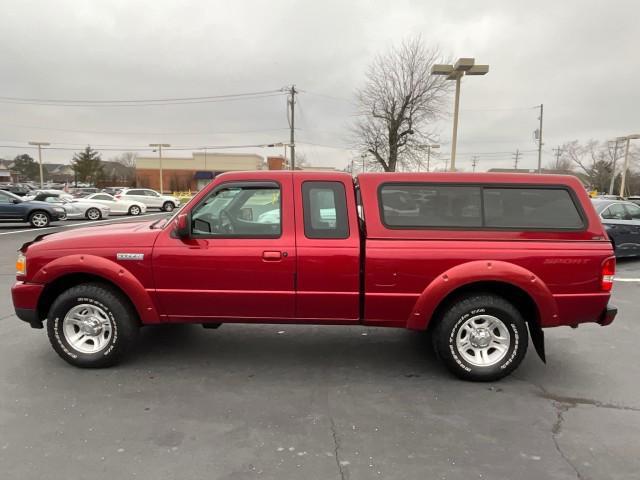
(58,172)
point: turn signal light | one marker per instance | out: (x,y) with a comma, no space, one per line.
(608,272)
(21,265)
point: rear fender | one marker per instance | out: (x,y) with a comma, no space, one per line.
(104,268)
(481,271)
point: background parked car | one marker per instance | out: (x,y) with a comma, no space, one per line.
(16,189)
(635,200)
(622,222)
(81,192)
(150,198)
(122,206)
(75,208)
(38,214)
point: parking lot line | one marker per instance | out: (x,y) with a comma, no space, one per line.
(84,224)
(627,279)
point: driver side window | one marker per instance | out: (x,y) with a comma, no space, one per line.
(239,210)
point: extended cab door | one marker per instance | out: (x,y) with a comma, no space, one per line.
(239,263)
(328,241)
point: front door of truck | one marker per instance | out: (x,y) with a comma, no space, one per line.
(239,263)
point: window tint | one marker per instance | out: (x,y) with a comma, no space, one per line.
(102,197)
(615,212)
(633,211)
(239,211)
(530,208)
(151,193)
(5,198)
(325,210)
(421,205)
(134,192)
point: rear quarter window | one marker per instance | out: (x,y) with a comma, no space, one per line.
(410,206)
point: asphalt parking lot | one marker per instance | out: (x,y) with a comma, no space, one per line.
(299,402)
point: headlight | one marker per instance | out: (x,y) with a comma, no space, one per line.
(21,265)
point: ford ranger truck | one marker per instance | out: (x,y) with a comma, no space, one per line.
(481,261)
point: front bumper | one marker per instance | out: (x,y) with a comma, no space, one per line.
(25,298)
(608,315)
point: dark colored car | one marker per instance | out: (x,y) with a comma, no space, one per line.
(38,214)
(20,190)
(622,221)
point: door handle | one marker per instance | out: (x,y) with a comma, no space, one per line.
(271,256)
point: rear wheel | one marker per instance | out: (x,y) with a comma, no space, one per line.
(94,214)
(135,210)
(168,206)
(481,337)
(39,219)
(91,326)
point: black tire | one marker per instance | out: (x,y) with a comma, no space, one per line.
(479,306)
(92,212)
(135,210)
(120,317)
(39,219)
(168,206)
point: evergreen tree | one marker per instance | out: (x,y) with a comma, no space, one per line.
(87,165)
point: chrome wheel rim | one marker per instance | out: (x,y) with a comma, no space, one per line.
(93,214)
(135,210)
(39,220)
(168,207)
(87,328)
(483,340)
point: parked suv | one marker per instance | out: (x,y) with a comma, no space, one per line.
(150,198)
(38,214)
(482,261)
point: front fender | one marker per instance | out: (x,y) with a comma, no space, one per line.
(104,268)
(481,271)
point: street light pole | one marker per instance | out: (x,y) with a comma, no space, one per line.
(159,147)
(40,145)
(628,138)
(462,67)
(615,160)
(454,136)
(429,147)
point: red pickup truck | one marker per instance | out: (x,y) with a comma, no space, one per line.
(482,261)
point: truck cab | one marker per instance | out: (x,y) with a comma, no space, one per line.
(482,261)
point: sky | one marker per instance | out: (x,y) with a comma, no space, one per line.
(578,58)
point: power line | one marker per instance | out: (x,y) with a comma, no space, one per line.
(107,132)
(137,103)
(148,100)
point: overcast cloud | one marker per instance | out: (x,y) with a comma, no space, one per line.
(579,58)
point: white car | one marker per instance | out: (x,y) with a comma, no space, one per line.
(74,208)
(116,206)
(150,198)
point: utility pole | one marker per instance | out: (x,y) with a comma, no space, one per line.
(291,102)
(474,162)
(516,157)
(558,152)
(364,157)
(40,145)
(540,140)
(159,147)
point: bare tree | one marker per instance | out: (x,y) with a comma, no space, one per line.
(128,159)
(398,101)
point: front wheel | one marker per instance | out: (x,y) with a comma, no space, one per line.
(135,210)
(91,326)
(39,219)
(481,337)
(168,206)
(94,214)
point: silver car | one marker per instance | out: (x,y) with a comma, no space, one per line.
(75,208)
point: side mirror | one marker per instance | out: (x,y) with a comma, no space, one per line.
(15,200)
(182,229)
